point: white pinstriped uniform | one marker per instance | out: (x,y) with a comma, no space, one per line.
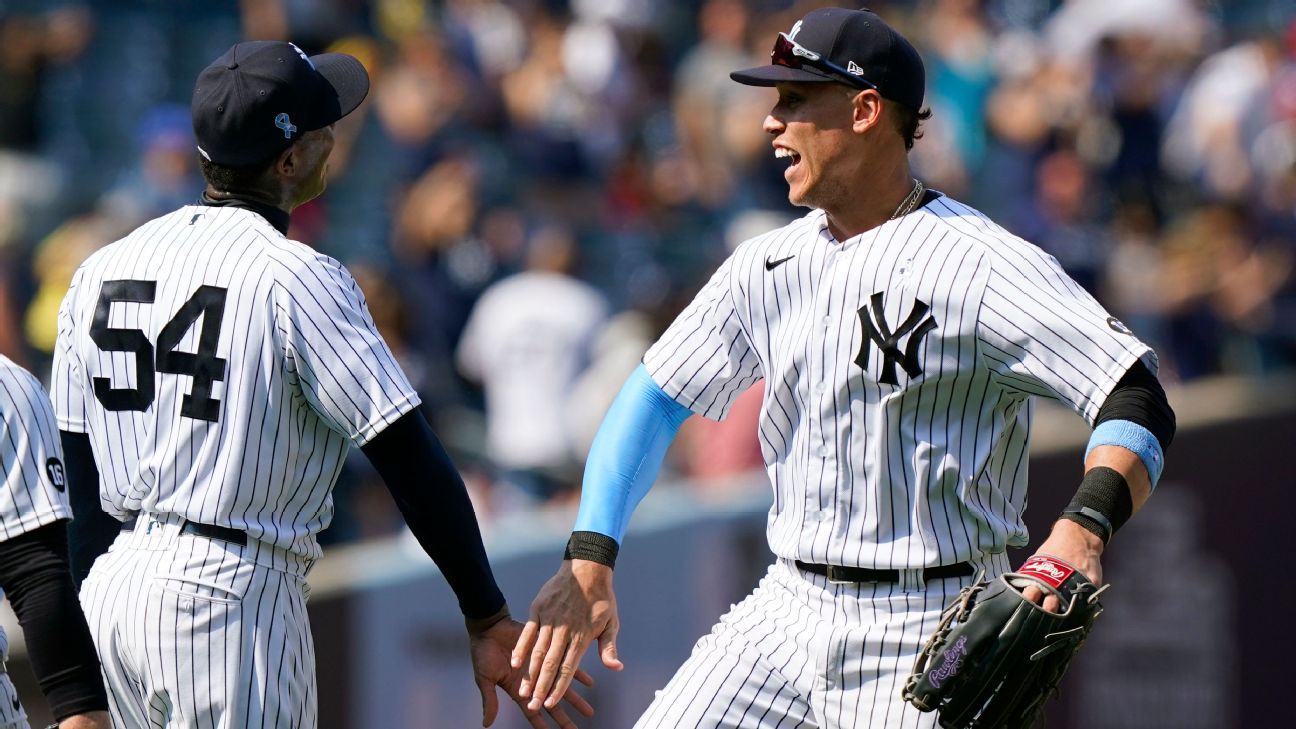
(910,457)
(222,372)
(33,487)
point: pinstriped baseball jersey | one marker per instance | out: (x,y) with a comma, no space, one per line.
(222,372)
(33,488)
(899,369)
(31,458)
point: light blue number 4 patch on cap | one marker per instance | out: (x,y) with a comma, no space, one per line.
(283,122)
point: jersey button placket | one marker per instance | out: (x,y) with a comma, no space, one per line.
(816,448)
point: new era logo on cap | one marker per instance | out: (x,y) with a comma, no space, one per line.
(855,47)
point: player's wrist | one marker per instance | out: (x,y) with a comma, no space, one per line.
(592,547)
(477,626)
(589,573)
(1066,528)
(85,720)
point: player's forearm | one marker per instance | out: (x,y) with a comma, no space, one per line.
(623,463)
(434,501)
(34,575)
(1125,456)
(89,720)
(1129,466)
(91,531)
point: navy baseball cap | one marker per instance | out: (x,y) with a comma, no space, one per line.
(261,96)
(853,47)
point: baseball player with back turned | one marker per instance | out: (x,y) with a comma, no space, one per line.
(210,376)
(34,562)
(901,336)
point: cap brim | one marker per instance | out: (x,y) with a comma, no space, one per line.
(774,74)
(348,78)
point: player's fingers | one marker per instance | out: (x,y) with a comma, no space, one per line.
(578,702)
(608,647)
(543,638)
(490,703)
(1052,604)
(561,718)
(524,641)
(570,664)
(549,668)
(1033,593)
(534,718)
(584,677)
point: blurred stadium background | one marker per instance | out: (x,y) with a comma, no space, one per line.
(535,187)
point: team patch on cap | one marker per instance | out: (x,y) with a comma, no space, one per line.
(283,122)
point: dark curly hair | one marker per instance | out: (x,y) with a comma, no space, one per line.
(235,179)
(908,121)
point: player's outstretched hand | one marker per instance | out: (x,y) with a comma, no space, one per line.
(1071,543)
(575,607)
(490,657)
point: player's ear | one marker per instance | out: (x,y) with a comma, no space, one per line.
(288,162)
(866,110)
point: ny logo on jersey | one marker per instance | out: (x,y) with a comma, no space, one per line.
(877,331)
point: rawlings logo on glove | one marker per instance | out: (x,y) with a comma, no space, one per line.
(996,657)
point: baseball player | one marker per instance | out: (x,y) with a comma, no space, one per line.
(211,375)
(901,336)
(34,563)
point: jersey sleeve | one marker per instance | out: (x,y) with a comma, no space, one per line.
(1041,333)
(333,351)
(34,482)
(67,385)
(705,359)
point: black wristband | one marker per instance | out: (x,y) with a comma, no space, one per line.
(1100,527)
(592,546)
(1102,504)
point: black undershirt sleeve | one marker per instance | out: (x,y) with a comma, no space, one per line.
(34,575)
(91,531)
(434,501)
(1139,398)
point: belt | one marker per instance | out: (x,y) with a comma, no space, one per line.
(836,573)
(211,531)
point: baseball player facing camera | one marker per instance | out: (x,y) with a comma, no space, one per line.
(902,336)
(210,376)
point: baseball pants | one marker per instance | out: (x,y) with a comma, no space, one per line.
(201,633)
(804,653)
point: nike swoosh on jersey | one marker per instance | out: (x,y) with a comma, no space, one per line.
(771,265)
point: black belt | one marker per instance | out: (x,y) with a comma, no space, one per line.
(211,531)
(836,573)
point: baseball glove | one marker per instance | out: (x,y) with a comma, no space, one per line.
(996,657)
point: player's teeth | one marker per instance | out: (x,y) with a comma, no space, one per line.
(780,152)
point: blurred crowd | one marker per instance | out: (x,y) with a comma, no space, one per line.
(535,187)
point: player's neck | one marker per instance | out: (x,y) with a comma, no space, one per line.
(276,216)
(858,213)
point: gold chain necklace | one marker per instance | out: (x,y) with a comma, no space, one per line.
(910,203)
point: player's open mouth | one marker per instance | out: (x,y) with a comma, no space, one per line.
(785,153)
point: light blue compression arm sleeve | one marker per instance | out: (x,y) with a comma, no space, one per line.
(627,453)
